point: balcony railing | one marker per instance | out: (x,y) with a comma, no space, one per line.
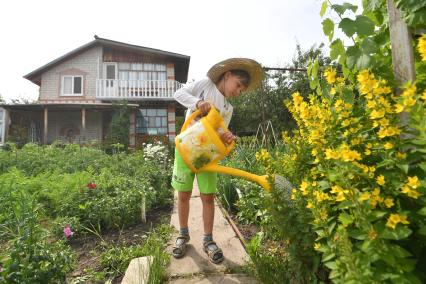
(136,89)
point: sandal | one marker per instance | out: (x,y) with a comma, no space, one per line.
(179,248)
(214,253)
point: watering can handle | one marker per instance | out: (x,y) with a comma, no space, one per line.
(190,119)
(197,113)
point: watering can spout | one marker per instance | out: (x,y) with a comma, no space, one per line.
(261,180)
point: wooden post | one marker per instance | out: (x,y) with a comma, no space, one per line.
(402,50)
(45,125)
(83,120)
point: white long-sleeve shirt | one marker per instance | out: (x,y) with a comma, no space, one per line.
(205,90)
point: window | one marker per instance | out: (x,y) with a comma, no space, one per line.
(151,121)
(142,71)
(2,124)
(72,85)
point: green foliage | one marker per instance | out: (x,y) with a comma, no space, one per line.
(115,259)
(248,110)
(118,131)
(31,258)
(45,189)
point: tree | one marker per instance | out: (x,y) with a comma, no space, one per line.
(278,86)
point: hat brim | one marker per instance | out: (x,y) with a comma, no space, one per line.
(253,68)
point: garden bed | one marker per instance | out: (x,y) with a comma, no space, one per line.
(88,249)
(75,214)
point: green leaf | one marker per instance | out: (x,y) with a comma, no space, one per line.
(346,219)
(328,28)
(357,234)
(398,251)
(331,227)
(331,265)
(324,184)
(336,48)
(341,9)
(399,233)
(369,46)
(422,211)
(353,54)
(348,26)
(324,7)
(363,61)
(364,25)
(375,215)
(348,96)
(403,167)
(328,256)
(422,231)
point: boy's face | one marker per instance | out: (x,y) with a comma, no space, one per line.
(233,86)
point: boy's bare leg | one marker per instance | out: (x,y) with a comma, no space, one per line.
(208,212)
(183,208)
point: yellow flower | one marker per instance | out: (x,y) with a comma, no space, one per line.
(389,202)
(293,194)
(421,47)
(388,145)
(375,114)
(413,194)
(330,75)
(380,180)
(350,155)
(423,97)
(310,205)
(399,108)
(364,196)
(303,186)
(367,152)
(317,246)
(340,196)
(400,155)
(394,219)
(333,91)
(330,154)
(413,182)
(371,104)
(297,98)
(376,191)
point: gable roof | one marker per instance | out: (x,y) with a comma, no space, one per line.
(35,76)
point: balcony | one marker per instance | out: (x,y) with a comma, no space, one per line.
(113,89)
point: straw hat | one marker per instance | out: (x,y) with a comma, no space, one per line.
(253,68)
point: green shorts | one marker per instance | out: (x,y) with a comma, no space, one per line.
(183,178)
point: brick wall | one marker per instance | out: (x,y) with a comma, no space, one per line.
(85,64)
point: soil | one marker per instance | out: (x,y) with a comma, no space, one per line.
(247,231)
(88,249)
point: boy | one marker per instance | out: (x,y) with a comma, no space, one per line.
(226,79)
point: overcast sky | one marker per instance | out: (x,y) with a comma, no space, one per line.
(34,33)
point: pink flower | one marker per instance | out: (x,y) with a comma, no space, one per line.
(91,185)
(67,231)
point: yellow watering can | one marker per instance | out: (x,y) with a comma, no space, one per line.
(201,148)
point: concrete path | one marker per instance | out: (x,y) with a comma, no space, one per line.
(195,266)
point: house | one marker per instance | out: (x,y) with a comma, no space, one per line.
(78,91)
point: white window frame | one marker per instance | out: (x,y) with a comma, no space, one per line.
(72,85)
(3,120)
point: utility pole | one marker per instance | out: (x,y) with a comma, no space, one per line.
(402,50)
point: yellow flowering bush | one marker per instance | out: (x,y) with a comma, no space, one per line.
(358,160)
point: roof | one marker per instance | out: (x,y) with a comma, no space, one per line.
(34,76)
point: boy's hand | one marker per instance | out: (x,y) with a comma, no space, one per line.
(203,106)
(227,137)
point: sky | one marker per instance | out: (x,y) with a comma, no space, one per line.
(34,33)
